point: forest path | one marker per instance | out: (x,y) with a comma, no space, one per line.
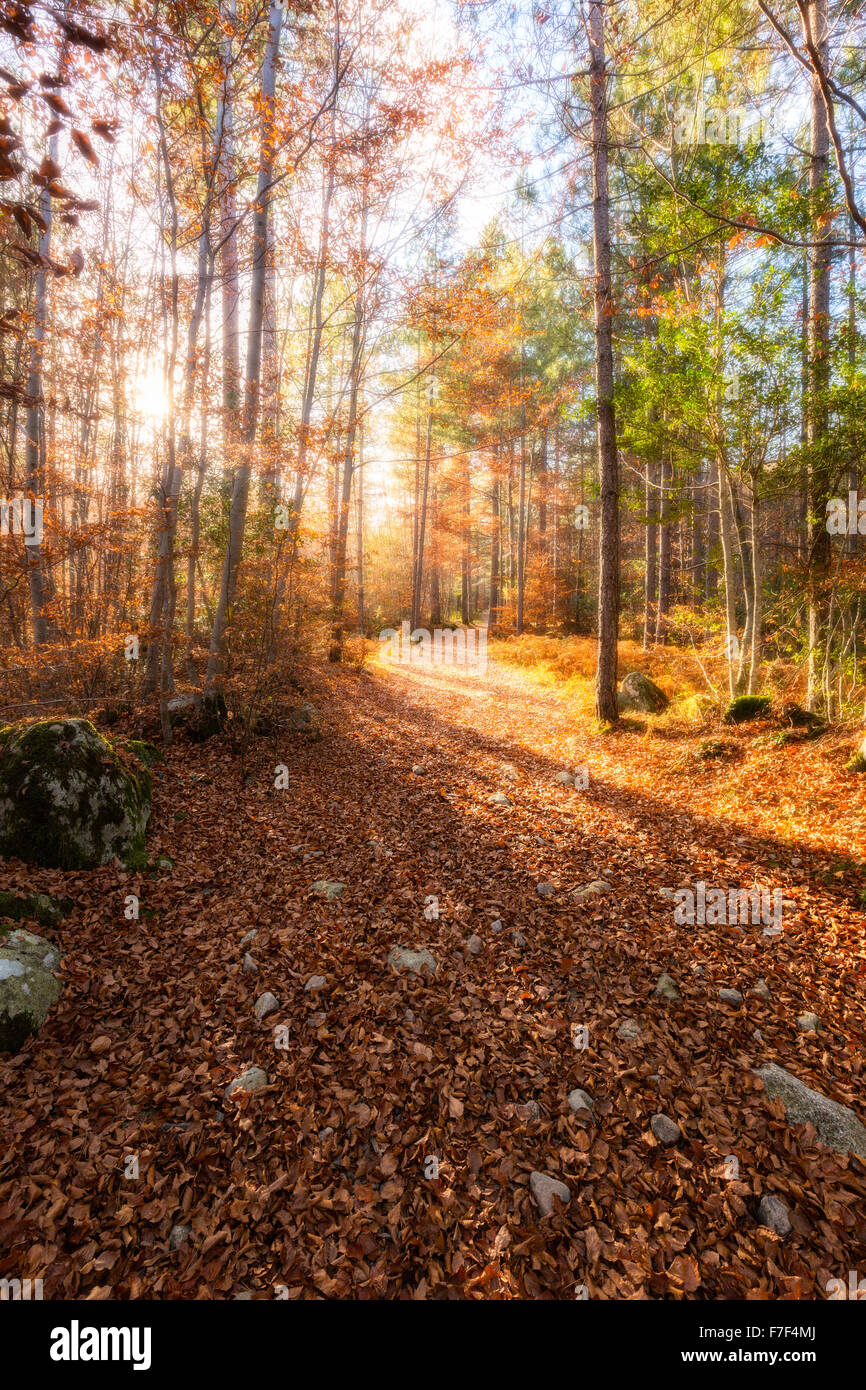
(324,1183)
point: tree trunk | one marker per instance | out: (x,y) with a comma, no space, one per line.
(815,21)
(608,463)
(650,546)
(241,485)
(335,653)
(34,452)
(663,607)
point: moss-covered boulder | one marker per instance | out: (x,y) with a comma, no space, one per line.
(66,799)
(743,708)
(23,907)
(28,987)
(640,695)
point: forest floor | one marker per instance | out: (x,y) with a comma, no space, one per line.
(114,1126)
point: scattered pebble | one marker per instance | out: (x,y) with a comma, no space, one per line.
(400,959)
(528,1111)
(666,1130)
(665,988)
(773,1213)
(265,1004)
(326,889)
(253,1079)
(314,984)
(808,1023)
(589,890)
(249,966)
(629,1029)
(580,1100)
(178,1236)
(474,945)
(730,996)
(545,1188)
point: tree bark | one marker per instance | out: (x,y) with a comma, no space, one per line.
(608,462)
(241,485)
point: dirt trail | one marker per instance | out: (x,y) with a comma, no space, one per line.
(324,1183)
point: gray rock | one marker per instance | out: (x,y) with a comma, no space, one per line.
(545,890)
(28,989)
(589,890)
(249,966)
(629,1030)
(474,945)
(250,936)
(518,938)
(665,988)
(666,1130)
(36,948)
(528,1111)
(265,1004)
(499,799)
(178,1236)
(808,1023)
(306,720)
(761,989)
(66,799)
(837,1125)
(496,927)
(580,1100)
(418,770)
(510,772)
(564,778)
(314,984)
(316,1020)
(400,959)
(326,889)
(730,996)
(253,1079)
(639,694)
(773,1213)
(544,1188)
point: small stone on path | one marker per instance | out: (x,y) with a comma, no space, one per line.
(773,1213)
(665,1129)
(544,1189)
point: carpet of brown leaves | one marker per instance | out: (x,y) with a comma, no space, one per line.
(317,1184)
